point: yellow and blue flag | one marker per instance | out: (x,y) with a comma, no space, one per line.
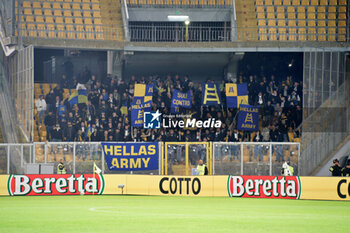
(236,94)
(137,111)
(180,99)
(248,118)
(211,94)
(78,97)
(143,92)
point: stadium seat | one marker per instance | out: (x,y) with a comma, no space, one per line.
(280,16)
(333,2)
(322,34)
(68,20)
(342,9)
(321,16)
(311,23)
(259,15)
(47,12)
(341,34)
(260,9)
(26,4)
(39,19)
(305,2)
(56,5)
(38,12)
(67,13)
(96,14)
(277,2)
(70,31)
(311,34)
(314,2)
(302,34)
(261,23)
(48,19)
(332,16)
(88,21)
(41,30)
(89,32)
(78,21)
(281,23)
(61,33)
(272,33)
(323,2)
(286,2)
(76,6)
(57,13)
(301,23)
(268,2)
(270,15)
(332,23)
(342,2)
(95,7)
(341,23)
(291,9)
(296,2)
(87,14)
(77,14)
(301,16)
(282,34)
(86,7)
(80,32)
(97,21)
(262,34)
(321,9)
(291,15)
(342,16)
(280,9)
(37,5)
(51,30)
(271,23)
(259,2)
(321,23)
(332,9)
(311,16)
(46,5)
(332,34)
(66,6)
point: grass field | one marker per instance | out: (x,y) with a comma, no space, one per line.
(169,214)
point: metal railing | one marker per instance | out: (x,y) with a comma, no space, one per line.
(176,33)
(176,158)
(180,3)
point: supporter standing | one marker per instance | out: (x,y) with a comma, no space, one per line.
(41,107)
(336,168)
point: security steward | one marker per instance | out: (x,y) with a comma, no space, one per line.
(346,169)
(336,168)
(60,167)
(202,168)
(287,170)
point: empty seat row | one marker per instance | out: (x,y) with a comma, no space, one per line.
(301,2)
(302,34)
(62,13)
(292,9)
(57,5)
(62,31)
(302,23)
(180,2)
(66,20)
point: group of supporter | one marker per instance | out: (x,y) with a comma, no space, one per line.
(107,116)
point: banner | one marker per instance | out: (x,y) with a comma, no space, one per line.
(131,156)
(236,94)
(180,99)
(43,185)
(143,92)
(248,118)
(137,110)
(78,97)
(210,94)
(284,187)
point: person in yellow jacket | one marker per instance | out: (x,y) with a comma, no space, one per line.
(287,170)
(202,168)
(60,167)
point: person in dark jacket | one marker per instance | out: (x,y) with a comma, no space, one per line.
(346,169)
(336,168)
(49,122)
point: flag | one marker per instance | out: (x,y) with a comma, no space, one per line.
(236,94)
(78,97)
(143,92)
(210,94)
(180,99)
(137,110)
(96,169)
(248,118)
(88,132)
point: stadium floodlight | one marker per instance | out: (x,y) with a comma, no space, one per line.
(178,18)
(187,22)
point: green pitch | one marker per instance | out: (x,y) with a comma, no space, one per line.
(169,214)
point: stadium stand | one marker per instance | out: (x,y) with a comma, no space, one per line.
(106,115)
(71,19)
(301,20)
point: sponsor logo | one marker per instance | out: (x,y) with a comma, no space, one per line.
(288,187)
(340,184)
(180,185)
(151,120)
(20,185)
